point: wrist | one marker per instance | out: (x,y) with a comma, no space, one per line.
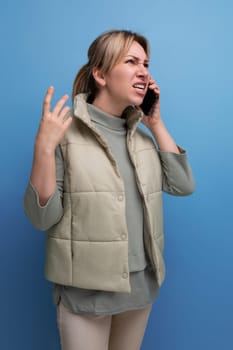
(158,127)
(43,149)
(42,146)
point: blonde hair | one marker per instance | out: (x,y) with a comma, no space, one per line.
(104,53)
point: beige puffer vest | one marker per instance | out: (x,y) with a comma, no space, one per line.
(88,248)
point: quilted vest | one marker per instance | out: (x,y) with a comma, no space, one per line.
(88,247)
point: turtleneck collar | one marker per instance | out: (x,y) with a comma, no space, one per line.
(131,116)
(105,119)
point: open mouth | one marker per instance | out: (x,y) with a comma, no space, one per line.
(140,87)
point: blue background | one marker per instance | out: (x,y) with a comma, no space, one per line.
(45,42)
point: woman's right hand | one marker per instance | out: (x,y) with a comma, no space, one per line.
(53,124)
(51,131)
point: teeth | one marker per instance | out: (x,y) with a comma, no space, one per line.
(138,86)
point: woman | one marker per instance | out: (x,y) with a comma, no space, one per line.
(96,187)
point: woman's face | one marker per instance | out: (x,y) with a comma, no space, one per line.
(126,84)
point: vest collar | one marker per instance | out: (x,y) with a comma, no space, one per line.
(132,115)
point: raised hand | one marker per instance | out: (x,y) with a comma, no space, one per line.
(51,131)
(53,123)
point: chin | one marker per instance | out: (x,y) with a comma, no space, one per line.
(137,101)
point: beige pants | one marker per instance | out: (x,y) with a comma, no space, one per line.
(123,331)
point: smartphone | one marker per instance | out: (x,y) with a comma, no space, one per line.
(149,101)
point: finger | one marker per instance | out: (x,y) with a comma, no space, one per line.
(152,84)
(151,81)
(64,114)
(60,104)
(47,100)
(155,88)
(67,121)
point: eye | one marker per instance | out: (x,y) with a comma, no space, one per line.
(134,61)
(131,61)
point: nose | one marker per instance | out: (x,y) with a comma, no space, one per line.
(142,70)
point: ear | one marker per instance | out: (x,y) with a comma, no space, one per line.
(99,77)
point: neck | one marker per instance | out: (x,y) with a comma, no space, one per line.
(108,106)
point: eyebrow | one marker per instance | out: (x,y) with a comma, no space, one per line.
(137,58)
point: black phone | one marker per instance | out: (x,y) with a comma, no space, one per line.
(149,101)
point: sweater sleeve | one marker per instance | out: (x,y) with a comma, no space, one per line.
(44,217)
(177,174)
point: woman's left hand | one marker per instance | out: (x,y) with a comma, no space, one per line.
(155,123)
(154,118)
